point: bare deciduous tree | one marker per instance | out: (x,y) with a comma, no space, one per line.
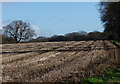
(19,31)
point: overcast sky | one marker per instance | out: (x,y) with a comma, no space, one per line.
(54,18)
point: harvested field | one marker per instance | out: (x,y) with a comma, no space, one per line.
(56,61)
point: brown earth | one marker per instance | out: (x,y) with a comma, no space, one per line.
(56,61)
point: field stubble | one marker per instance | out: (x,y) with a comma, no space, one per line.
(55,61)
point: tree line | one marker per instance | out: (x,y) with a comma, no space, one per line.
(74,36)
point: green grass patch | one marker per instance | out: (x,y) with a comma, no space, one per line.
(109,75)
(113,73)
(114,79)
(93,80)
